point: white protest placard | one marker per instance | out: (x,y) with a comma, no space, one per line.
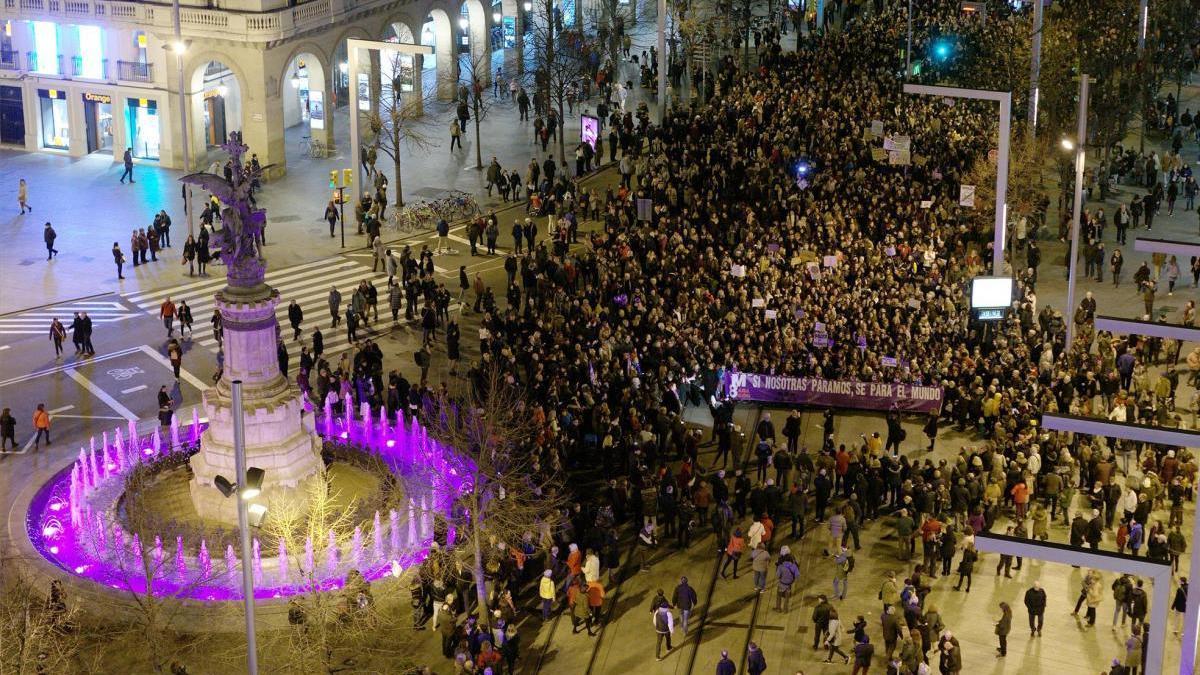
(914,303)
(927,203)
(966,196)
(829,261)
(876,128)
(888,361)
(899,158)
(758,302)
(738,270)
(890,251)
(645,210)
(771,313)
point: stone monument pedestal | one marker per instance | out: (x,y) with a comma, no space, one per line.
(278,439)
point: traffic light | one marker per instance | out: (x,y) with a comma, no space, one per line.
(347,177)
(333,179)
(942,49)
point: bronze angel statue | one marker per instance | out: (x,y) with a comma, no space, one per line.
(240,235)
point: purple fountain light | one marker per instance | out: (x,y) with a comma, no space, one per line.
(72,522)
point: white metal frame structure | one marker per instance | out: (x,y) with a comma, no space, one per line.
(1004,98)
(1158,573)
(353,45)
(1162,436)
(1167,246)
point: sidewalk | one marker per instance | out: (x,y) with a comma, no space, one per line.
(90,209)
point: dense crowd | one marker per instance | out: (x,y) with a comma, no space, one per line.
(772,221)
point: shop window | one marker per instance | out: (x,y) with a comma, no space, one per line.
(144,131)
(56,127)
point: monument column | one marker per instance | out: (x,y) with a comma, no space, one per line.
(278,439)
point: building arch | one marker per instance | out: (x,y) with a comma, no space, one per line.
(216,93)
(437,31)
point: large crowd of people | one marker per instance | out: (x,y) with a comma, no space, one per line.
(773,221)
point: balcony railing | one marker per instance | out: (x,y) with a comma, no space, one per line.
(44,65)
(10,60)
(79,70)
(196,22)
(133,71)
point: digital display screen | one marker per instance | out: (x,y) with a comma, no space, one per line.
(991,292)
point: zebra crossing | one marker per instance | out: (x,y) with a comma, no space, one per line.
(37,321)
(307,284)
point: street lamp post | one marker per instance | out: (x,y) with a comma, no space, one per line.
(1035,67)
(239,457)
(1077,211)
(1004,98)
(662,59)
(908,49)
(179,47)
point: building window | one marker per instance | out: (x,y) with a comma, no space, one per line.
(139,46)
(142,119)
(91,52)
(45,47)
(56,127)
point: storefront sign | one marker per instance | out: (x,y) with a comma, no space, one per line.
(316,109)
(364,91)
(53,93)
(97,98)
(813,391)
(510,31)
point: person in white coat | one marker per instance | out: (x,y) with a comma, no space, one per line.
(834,640)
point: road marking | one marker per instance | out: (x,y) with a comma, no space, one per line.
(67,366)
(3,347)
(215,282)
(65,408)
(133,389)
(192,379)
(119,374)
(101,394)
(92,417)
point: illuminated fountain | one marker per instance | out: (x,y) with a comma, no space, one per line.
(73,520)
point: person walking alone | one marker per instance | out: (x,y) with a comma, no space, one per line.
(128,160)
(41,425)
(1003,627)
(8,431)
(23,196)
(48,236)
(1035,604)
(295,317)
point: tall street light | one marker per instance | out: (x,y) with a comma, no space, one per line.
(180,47)
(1004,98)
(1078,145)
(248,486)
(1035,67)
(662,59)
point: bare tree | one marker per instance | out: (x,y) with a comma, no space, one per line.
(334,630)
(42,633)
(398,121)
(478,65)
(561,62)
(509,495)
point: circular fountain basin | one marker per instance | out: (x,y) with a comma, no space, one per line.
(73,520)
